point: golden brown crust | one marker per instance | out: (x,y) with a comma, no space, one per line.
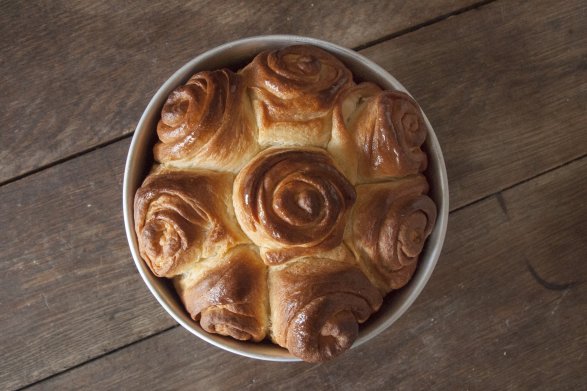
(293,91)
(317,305)
(389,226)
(389,132)
(207,123)
(299,135)
(182,216)
(342,145)
(228,294)
(292,202)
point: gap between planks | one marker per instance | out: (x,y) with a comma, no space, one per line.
(528,179)
(67,158)
(99,356)
(422,25)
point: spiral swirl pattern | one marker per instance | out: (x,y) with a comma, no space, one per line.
(317,321)
(389,134)
(288,198)
(207,123)
(391,223)
(228,294)
(181,217)
(294,90)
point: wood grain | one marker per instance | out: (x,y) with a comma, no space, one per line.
(68,288)
(483,322)
(504,85)
(76,74)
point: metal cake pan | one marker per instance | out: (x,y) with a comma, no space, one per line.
(234,55)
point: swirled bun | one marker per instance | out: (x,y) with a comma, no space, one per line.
(286,200)
(183,216)
(343,144)
(293,91)
(391,130)
(292,202)
(207,123)
(317,306)
(228,294)
(389,226)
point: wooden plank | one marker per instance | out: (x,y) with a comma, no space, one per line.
(504,85)
(485,321)
(73,252)
(69,290)
(78,74)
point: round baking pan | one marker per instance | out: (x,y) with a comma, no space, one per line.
(235,55)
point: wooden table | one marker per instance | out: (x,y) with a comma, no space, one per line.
(503,82)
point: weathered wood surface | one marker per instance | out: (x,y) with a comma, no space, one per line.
(76,74)
(68,288)
(505,310)
(503,85)
(69,291)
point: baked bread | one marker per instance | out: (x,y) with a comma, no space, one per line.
(207,123)
(317,305)
(292,202)
(182,217)
(286,200)
(390,223)
(293,91)
(228,294)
